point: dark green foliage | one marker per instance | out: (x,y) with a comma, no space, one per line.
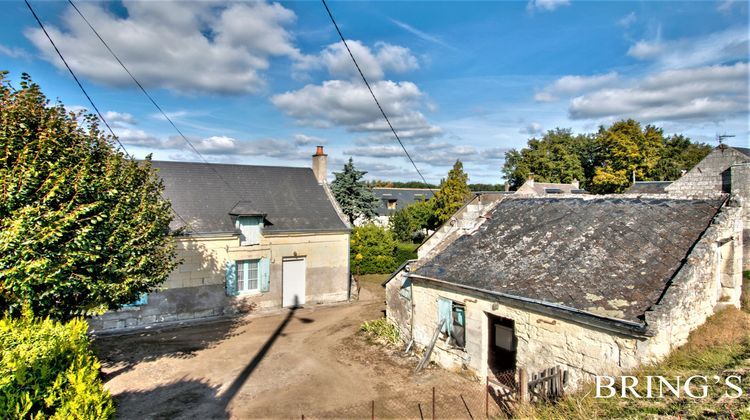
(372,250)
(454,192)
(410,223)
(487,187)
(604,162)
(353,195)
(397,184)
(83,228)
(48,371)
(403,252)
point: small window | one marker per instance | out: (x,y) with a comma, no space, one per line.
(250,228)
(405,291)
(247,276)
(454,327)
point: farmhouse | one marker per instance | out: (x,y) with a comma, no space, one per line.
(249,237)
(590,284)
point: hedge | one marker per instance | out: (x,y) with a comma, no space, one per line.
(49,371)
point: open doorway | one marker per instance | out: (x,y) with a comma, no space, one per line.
(501,355)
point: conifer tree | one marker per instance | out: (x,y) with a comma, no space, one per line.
(453,193)
(355,198)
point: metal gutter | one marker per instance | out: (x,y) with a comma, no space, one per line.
(634,329)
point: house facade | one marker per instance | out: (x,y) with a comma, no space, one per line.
(591,284)
(250,238)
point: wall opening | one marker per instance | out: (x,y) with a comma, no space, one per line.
(502,341)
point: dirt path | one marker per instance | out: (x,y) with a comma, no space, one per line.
(309,361)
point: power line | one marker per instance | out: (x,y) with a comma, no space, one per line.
(91,101)
(371,92)
(151,99)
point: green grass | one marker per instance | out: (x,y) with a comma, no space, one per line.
(719,347)
(745,299)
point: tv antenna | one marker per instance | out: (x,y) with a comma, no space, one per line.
(720,138)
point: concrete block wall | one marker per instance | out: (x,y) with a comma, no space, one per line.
(709,175)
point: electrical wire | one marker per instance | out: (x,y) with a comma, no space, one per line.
(91,101)
(151,99)
(364,79)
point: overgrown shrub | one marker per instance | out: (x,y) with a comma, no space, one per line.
(372,250)
(404,252)
(49,371)
(382,330)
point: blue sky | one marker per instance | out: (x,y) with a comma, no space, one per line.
(264,83)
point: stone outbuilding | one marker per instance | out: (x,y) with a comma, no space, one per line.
(256,237)
(536,188)
(591,284)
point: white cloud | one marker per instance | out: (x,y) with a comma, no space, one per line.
(568,85)
(421,34)
(185,47)
(720,47)
(115,118)
(350,105)
(305,140)
(726,6)
(374,63)
(439,154)
(14,52)
(532,129)
(710,93)
(627,20)
(545,5)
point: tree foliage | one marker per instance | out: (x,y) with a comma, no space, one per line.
(49,371)
(372,250)
(353,195)
(409,223)
(606,161)
(453,193)
(83,228)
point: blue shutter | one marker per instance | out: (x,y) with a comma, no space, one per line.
(445,311)
(264,274)
(231,277)
(142,300)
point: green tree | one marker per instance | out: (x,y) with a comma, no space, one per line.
(372,250)
(409,223)
(627,150)
(83,228)
(679,154)
(556,157)
(453,193)
(352,194)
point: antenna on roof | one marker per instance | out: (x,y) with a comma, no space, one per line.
(720,138)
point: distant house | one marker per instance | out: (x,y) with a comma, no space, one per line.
(394,199)
(648,187)
(532,187)
(256,237)
(591,284)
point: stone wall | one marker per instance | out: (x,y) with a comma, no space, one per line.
(741,188)
(709,176)
(710,279)
(196,288)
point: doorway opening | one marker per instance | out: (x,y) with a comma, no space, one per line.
(501,356)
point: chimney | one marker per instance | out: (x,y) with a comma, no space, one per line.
(530,179)
(576,185)
(320,165)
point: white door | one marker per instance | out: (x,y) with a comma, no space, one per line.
(293,282)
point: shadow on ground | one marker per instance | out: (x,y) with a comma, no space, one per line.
(120,353)
(185,399)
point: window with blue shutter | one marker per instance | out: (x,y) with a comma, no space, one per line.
(231,278)
(445,312)
(264,271)
(142,300)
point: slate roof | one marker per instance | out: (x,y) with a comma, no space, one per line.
(290,198)
(608,256)
(648,187)
(744,150)
(403,196)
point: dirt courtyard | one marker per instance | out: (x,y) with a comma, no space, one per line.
(309,361)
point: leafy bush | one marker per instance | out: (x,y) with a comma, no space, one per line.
(382,329)
(403,252)
(372,250)
(48,370)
